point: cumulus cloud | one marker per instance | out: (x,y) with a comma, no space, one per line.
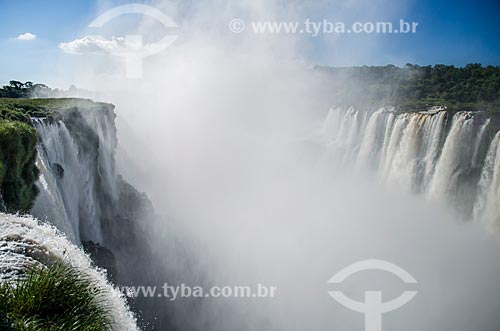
(117,46)
(93,45)
(26,36)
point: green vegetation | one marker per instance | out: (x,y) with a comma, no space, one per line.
(414,87)
(18,171)
(17,89)
(18,141)
(54,298)
(23,109)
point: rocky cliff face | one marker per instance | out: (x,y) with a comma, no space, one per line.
(80,191)
(82,194)
(57,162)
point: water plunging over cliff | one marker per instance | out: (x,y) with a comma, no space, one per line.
(437,153)
(487,205)
(82,195)
(78,184)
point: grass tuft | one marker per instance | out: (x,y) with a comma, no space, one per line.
(55,298)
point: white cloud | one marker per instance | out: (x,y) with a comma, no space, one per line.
(117,45)
(26,36)
(93,45)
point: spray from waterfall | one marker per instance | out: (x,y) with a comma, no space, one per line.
(419,152)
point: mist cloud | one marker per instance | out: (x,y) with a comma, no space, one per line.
(219,133)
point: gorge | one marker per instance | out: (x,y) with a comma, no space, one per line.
(438,154)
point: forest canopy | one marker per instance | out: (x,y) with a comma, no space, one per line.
(409,88)
(414,87)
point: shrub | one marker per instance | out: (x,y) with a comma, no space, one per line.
(18,171)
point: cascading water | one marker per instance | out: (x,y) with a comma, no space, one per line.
(487,205)
(433,138)
(404,167)
(59,182)
(81,194)
(431,152)
(369,153)
(435,153)
(77,177)
(456,156)
(25,241)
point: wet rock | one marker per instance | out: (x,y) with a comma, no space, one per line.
(103,258)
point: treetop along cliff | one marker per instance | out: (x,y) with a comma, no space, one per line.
(413,87)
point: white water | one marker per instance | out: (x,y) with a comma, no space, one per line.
(21,234)
(59,198)
(420,152)
(487,205)
(455,157)
(416,152)
(73,202)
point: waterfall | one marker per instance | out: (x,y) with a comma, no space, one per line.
(370,146)
(78,184)
(102,124)
(433,138)
(455,158)
(394,138)
(434,153)
(59,182)
(404,166)
(331,124)
(25,241)
(487,207)
(343,131)
(412,150)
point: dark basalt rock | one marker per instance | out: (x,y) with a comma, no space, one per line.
(103,258)
(58,170)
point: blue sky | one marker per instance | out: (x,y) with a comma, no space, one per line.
(449,32)
(51,21)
